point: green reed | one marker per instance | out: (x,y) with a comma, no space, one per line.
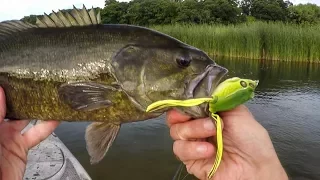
(258,40)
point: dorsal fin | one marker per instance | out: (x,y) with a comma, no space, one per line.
(49,22)
(60,19)
(56,19)
(10,27)
(14,26)
(85,16)
(99,18)
(93,16)
(71,19)
(75,17)
(63,19)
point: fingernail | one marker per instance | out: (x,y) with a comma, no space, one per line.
(202,148)
(208,125)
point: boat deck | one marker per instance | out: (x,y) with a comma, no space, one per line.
(52,160)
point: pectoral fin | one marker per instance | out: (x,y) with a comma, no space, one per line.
(99,138)
(86,96)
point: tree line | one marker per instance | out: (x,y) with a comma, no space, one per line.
(160,12)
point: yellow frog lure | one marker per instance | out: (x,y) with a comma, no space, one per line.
(228,95)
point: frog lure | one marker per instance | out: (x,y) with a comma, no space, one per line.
(229,94)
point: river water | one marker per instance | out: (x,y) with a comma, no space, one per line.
(287,104)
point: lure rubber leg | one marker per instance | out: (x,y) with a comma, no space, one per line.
(217,161)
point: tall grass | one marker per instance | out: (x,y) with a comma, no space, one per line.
(259,40)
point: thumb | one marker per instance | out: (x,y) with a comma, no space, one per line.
(2,105)
(240,118)
(240,112)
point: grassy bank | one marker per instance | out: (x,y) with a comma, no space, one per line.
(273,41)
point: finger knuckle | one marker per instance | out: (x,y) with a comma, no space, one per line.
(178,131)
(168,117)
(173,131)
(189,166)
(177,148)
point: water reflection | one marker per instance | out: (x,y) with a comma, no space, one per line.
(287,104)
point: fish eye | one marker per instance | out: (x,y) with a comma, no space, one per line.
(243,84)
(183,61)
(251,85)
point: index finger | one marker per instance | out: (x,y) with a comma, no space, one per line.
(2,105)
(39,132)
(174,117)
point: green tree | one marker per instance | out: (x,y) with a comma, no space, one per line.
(114,12)
(149,12)
(191,11)
(223,11)
(268,10)
(305,13)
(246,6)
(159,12)
(30,19)
(108,2)
(209,11)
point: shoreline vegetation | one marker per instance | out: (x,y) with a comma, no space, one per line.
(255,29)
(257,40)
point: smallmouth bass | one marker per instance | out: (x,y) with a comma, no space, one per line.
(70,67)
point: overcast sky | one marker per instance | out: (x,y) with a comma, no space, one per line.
(17,9)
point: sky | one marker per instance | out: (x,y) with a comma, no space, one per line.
(17,9)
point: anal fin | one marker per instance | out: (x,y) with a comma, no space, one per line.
(99,138)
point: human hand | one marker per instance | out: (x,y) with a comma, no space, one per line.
(14,146)
(248,150)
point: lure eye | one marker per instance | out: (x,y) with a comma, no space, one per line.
(183,61)
(251,85)
(243,84)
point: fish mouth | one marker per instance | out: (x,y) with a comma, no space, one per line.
(208,80)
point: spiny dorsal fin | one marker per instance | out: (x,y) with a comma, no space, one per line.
(93,16)
(41,23)
(49,22)
(85,15)
(99,18)
(60,19)
(19,24)
(14,26)
(76,17)
(8,28)
(56,19)
(63,19)
(76,14)
(71,19)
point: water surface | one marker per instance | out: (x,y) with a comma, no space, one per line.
(287,104)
